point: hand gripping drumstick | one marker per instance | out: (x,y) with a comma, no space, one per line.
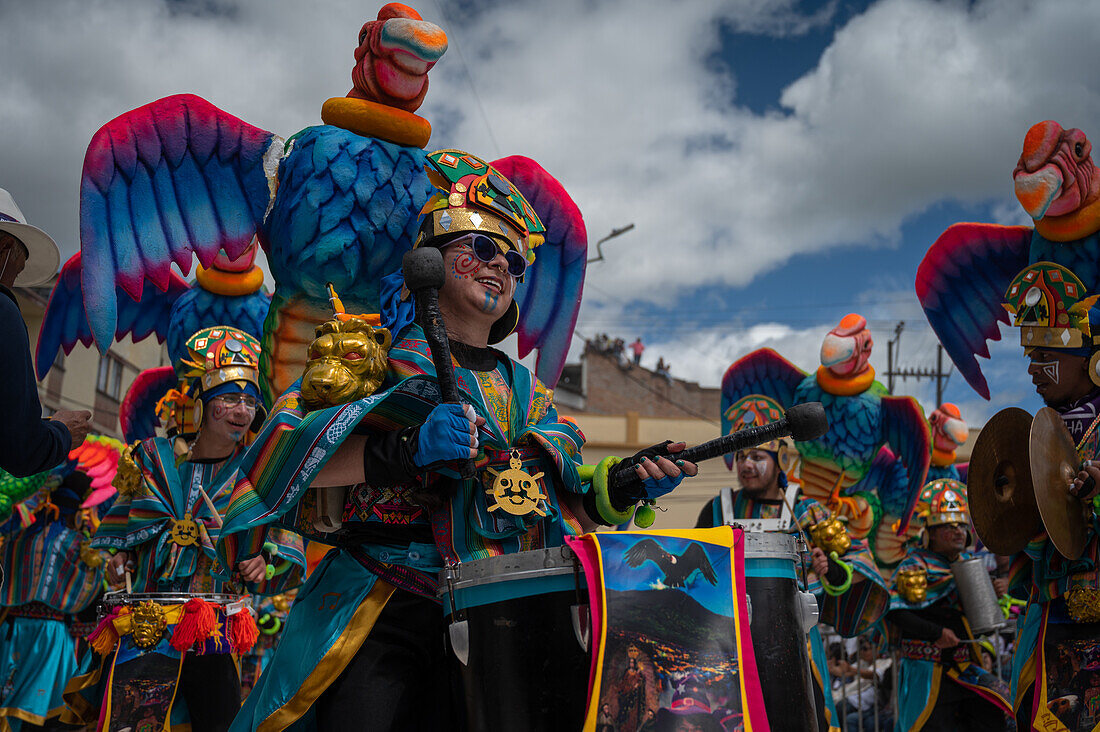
(423,271)
(803,422)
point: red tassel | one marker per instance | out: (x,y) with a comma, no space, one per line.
(104,638)
(196,625)
(242,631)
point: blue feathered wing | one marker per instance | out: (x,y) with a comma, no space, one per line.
(167,181)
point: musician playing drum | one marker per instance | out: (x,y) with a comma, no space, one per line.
(942,684)
(850,591)
(368,624)
(1062,620)
(163,528)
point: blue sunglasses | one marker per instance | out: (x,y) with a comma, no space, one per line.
(486,250)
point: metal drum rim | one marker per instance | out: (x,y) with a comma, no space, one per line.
(530,564)
(171,598)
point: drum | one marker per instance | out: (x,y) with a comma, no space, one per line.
(519,629)
(779,619)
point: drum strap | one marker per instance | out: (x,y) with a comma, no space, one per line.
(726,497)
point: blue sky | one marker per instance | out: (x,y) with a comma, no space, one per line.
(784,162)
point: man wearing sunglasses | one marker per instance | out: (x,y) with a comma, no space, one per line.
(370,609)
(163,528)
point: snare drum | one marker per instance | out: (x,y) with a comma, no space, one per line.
(160,611)
(517,623)
(780,618)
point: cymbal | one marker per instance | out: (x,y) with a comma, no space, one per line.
(1054,465)
(999,487)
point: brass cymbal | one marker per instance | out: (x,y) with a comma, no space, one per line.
(1054,465)
(999,485)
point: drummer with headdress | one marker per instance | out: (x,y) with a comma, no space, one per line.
(1058,322)
(162,530)
(943,685)
(368,623)
(849,589)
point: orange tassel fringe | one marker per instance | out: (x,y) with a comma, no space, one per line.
(104,638)
(241,631)
(197,624)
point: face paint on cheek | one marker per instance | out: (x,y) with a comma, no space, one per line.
(490,303)
(1049,369)
(760,466)
(219,410)
(464,265)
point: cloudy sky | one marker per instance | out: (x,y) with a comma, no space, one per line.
(783,163)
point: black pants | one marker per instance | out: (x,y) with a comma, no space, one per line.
(960,709)
(212,689)
(399,678)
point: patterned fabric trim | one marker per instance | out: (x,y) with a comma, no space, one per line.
(918,650)
(404,578)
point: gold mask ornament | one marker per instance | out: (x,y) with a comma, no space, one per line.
(347,359)
(831,536)
(913,584)
(515,490)
(147,624)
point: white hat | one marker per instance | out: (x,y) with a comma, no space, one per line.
(43,255)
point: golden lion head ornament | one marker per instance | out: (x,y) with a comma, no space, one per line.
(347,360)
(831,536)
(912,584)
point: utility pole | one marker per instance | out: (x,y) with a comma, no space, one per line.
(612,235)
(893,351)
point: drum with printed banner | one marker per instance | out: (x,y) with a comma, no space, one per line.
(519,635)
(780,616)
(141,639)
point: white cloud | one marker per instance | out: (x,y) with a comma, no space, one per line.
(914,101)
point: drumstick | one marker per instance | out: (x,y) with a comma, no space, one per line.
(213,509)
(795,519)
(129,587)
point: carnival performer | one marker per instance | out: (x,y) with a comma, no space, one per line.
(367,624)
(51,576)
(850,591)
(162,529)
(942,682)
(1061,622)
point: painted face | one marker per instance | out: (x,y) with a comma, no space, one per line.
(473,288)
(756,470)
(1059,377)
(229,415)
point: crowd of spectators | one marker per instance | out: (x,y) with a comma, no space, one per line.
(629,356)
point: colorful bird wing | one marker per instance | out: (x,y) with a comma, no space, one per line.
(550,296)
(906,430)
(761,372)
(138,412)
(961,284)
(174,178)
(888,479)
(64,323)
